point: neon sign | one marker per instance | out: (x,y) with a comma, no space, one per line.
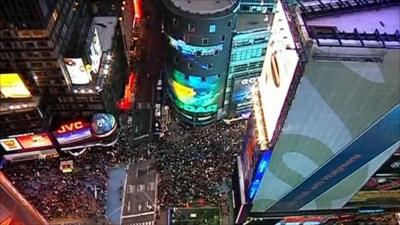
(261,169)
(70,127)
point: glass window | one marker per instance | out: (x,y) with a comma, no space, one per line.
(230,23)
(209,66)
(175,22)
(190,27)
(223,38)
(204,41)
(190,65)
(212,28)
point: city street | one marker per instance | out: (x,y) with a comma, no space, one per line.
(149,64)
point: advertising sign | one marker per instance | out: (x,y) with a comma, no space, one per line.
(12,86)
(72,136)
(194,93)
(280,63)
(10,144)
(390,167)
(242,94)
(103,124)
(249,155)
(95,51)
(77,71)
(191,50)
(35,141)
(357,154)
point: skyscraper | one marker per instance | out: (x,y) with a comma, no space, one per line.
(199,34)
(55,63)
(329,107)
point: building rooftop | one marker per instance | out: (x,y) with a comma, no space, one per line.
(246,22)
(204,6)
(384,19)
(105,26)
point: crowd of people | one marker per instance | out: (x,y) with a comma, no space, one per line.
(79,194)
(194,163)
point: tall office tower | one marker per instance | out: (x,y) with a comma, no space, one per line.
(14,209)
(199,34)
(249,45)
(327,112)
(52,63)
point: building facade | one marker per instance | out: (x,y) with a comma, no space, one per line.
(199,35)
(330,109)
(52,64)
(249,46)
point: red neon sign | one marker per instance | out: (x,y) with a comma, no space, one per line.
(138,9)
(126,102)
(70,127)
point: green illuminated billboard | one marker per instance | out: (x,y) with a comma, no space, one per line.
(195,94)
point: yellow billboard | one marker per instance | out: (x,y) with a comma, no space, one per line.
(12,86)
(182,91)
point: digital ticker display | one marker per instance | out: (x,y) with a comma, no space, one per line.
(194,93)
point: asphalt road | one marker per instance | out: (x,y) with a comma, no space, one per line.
(152,46)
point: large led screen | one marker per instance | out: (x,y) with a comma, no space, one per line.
(77,71)
(279,66)
(95,51)
(103,124)
(341,126)
(35,140)
(12,86)
(10,144)
(194,94)
(73,136)
(242,94)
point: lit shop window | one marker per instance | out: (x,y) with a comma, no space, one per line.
(12,86)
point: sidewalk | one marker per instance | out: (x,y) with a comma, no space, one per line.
(115,182)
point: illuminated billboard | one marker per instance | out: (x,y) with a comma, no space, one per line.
(194,93)
(95,51)
(10,144)
(12,86)
(278,70)
(341,126)
(77,71)
(73,136)
(73,131)
(35,140)
(242,100)
(103,124)
(191,50)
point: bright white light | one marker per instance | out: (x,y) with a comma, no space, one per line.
(107,66)
(90,91)
(75,91)
(109,57)
(35,77)
(24,105)
(83,91)
(105,71)
(11,107)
